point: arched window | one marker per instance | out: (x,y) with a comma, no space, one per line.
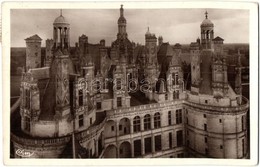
(137,124)
(147,122)
(157,120)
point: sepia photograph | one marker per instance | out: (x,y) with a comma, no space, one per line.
(130,82)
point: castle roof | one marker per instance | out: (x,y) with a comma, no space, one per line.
(206,22)
(218,39)
(60,20)
(34,37)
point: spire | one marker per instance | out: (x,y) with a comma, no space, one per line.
(60,12)
(121,11)
(206,14)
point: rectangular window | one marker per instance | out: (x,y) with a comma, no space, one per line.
(90,121)
(80,97)
(119,101)
(187,121)
(112,128)
(179,138)
(158,143)
(166,96)
(170,140)
(148,145)
(81,120)
(137,148)
(206,101)
(220,121)
(179,116)
(205,127)
(221,147)
(120,127)
(206,140)
(169,117)
(204,115)
(98,105)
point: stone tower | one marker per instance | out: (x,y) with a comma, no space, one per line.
(48,52)
(195,66)
(33,52)
(219,69)
(60,66)
(207,33)
(83,45)
(121,25)
(61,32)
(151,61)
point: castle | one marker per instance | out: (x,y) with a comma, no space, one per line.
(126,101)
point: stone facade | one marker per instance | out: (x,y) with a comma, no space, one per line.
(88,111)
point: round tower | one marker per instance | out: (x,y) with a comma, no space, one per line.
(207,33)
(61,32)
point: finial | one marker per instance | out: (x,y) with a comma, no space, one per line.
(206,14)
(61,12)
(121,6)
(148,29)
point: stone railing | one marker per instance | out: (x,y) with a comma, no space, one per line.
(91,132)
(40,142)
(228,109)
(143,107)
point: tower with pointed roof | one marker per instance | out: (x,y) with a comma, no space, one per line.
(33,52)
(122,34)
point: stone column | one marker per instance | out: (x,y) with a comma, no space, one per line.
(142,145)
(152,121)
(131,126)
(96,147)
(132,149)
(142,123)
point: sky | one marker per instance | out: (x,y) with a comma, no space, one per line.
(174,25)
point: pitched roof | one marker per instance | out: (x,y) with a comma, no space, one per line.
(218,39)
(34,37)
